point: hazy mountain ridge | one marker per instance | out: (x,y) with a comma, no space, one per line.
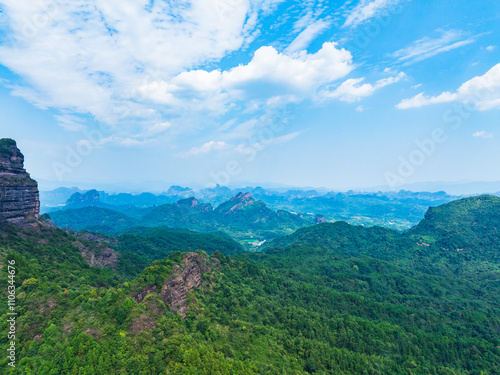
(241,215)
(398,210)
(359,299)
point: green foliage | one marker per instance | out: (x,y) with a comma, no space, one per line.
(5,146)
(329,299)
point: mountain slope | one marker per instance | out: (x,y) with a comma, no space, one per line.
(349,240)
(241,216)
(96,219)
(470,224)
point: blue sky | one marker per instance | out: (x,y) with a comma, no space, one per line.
(337,94)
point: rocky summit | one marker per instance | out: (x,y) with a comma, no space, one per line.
(19,202)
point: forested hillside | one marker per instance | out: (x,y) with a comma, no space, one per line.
(331,298)
(241,216)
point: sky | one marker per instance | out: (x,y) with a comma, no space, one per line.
(337,94)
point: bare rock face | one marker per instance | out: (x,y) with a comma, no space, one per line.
(320,219)
(19,202)
(186,276)
(100,256)
(139,297)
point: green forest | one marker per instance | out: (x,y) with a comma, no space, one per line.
(331,298)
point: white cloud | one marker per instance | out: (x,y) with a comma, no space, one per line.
(482,134)
(482,92)
(360,108)
(90,57)
(70,123)
(353,90)
(366,10)
(490,48)
(270,76)
(421,100)
(416,86)
(305,38)
(427,47)
(204,148)
(157,129)
(122,141)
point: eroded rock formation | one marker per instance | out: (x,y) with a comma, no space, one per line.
(99,255)
(185,277)
(19,202)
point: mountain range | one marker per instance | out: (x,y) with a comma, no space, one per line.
(327,298)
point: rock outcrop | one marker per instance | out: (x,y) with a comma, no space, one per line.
(192,202)
(320,219)
(98,255)
(19,203)
(240,201)
(185,277)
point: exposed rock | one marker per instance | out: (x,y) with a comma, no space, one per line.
(139,297)
(179,191)
(91,236)
(185,277)
(320,219)
(142,323)
(238,202)
(195,203)
(19,203)
(94,332)
(243,197)
(190,202)
(47,305)
(102,256)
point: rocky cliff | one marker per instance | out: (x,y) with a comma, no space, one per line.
(19,202)
(186,276)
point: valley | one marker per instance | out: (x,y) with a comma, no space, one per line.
(182,288)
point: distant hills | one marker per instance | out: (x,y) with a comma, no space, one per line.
(241,216)
(330,298)
(460,238)
(398,210)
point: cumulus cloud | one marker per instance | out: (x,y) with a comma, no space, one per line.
(204,148)
(366,10)
(268,76)
(428,47)
(482,134)
(90,57)
(353,89)
(483,92)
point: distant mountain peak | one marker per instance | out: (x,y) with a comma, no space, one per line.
(244,197)
(90,198)
(191,202)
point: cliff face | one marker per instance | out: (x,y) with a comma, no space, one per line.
(186,276)
(19,202)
